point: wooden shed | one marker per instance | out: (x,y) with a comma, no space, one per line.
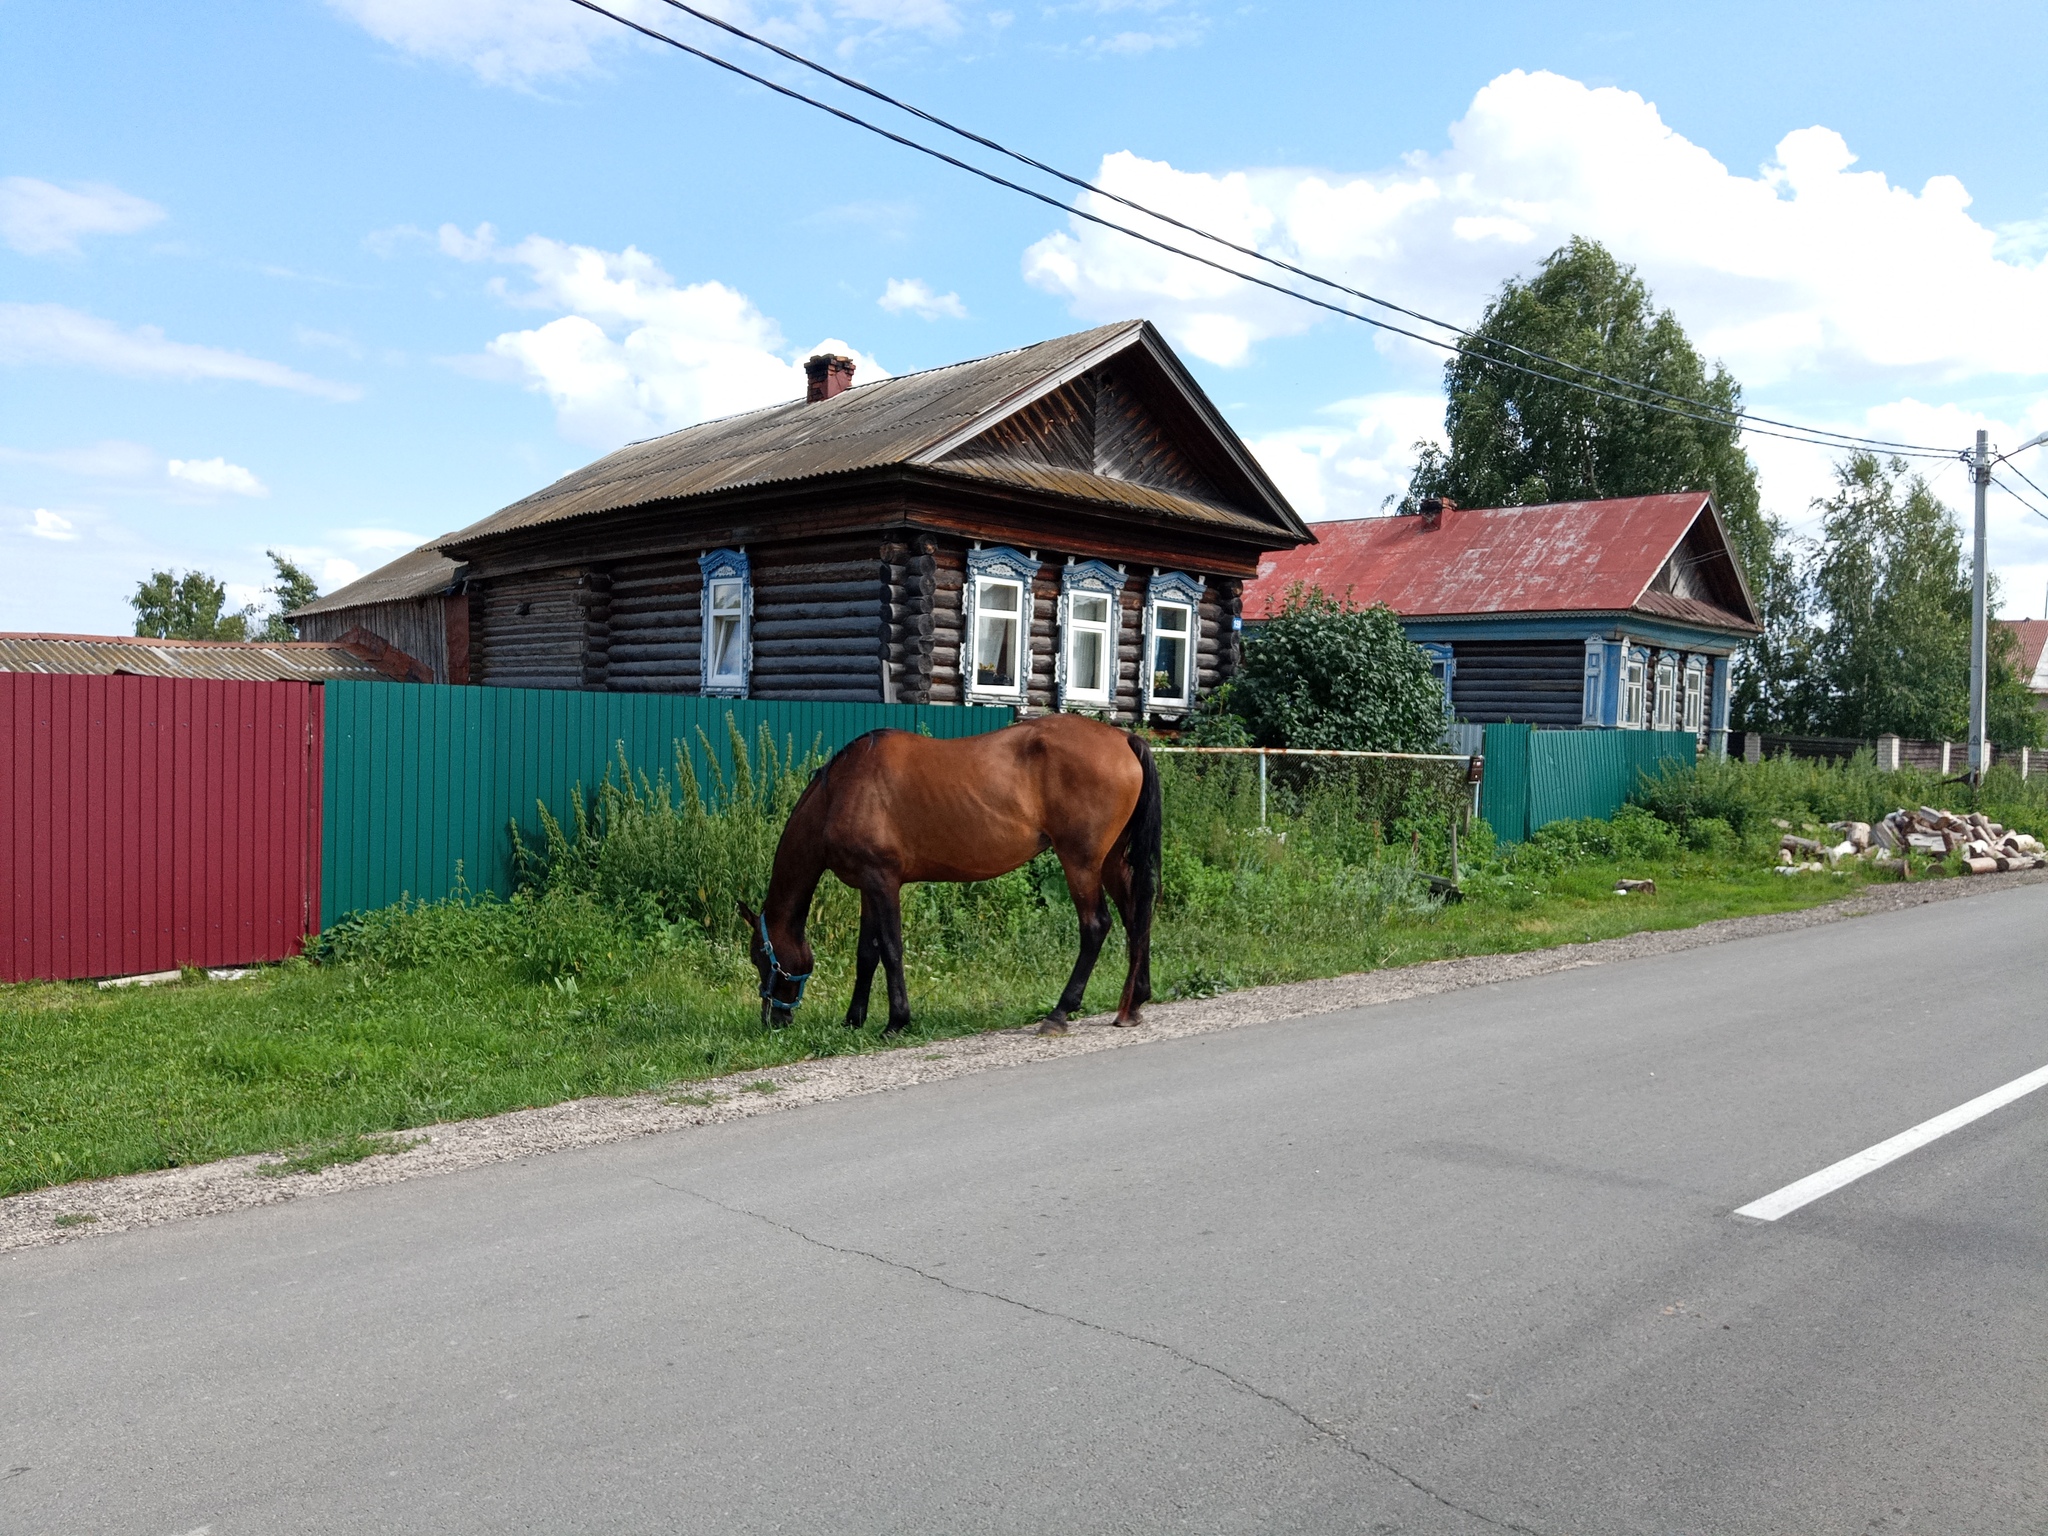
(1065,526)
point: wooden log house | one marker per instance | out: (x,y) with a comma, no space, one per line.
(1067,526)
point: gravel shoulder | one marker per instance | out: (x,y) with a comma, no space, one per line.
(91,1209)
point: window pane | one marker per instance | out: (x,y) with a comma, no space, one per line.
(1172,617)
(725,597)
(1085,671)
(1170,667)
(1090,609)
(725,647)
(999,595)
(995,650)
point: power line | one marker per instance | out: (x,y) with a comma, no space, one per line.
(2023,475)
(2016,496)
(1715,414)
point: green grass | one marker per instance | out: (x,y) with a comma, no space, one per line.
(348,1149)
(457,1009)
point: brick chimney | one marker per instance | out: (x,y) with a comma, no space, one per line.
(1433,509)
(827,373)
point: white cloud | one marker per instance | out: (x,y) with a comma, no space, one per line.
(633,353)
(1347,465)
(38,218)
(519,41)
(217,475)
(46,524)
(51,333)
(914,294)
(1808,268)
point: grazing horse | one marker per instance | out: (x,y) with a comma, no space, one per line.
(892,808)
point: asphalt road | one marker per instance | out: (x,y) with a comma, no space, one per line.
(1461,1264)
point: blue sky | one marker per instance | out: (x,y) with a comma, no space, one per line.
(336,277)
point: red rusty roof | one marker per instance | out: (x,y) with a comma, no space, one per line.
(2033,638)
(1561,557)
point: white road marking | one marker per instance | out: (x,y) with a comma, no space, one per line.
(1831,1178)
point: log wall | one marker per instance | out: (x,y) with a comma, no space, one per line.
(531,631)
(822,621)
(654,626)
(420,629)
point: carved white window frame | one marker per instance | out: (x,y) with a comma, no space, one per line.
(988,568)
(1633,712)
(1664,709)
(1443,666)
(1170,590)
(722,569)
(1088,578)
(1692,712)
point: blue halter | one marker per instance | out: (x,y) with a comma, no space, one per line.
(777,973)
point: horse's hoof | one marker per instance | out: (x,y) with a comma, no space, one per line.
(1053,1027)
(1128,1023)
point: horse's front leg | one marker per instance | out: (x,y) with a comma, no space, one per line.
(867,957)
(888,902)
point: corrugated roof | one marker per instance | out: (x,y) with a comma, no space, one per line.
(310,661)
(915,418)
(1091,487)
(1561,557)
(2033,638)
(423,572)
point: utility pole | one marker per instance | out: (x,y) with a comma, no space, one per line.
(1980,471)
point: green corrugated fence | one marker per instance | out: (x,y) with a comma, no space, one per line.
(1534,777)
(422,779)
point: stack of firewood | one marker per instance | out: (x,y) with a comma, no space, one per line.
(1980,846)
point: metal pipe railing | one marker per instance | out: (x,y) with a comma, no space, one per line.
(1475,767)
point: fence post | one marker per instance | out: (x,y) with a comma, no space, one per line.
(2026,757)
(1752,746)
(1944,759)
(1888,752)
(1262,786)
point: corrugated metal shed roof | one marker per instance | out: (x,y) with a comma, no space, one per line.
(423,572)
(1561,557)
(914,418)
(309,661)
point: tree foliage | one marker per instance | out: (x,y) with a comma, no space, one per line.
(191,606)
(293,589)
(1867,627)
(1326,673)
(1515,440)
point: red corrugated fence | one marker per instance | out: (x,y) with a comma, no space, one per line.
(148,823)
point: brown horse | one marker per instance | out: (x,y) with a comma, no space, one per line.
(893,808)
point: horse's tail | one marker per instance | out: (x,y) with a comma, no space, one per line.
(1144,838)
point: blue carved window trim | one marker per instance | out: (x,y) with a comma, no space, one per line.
(1443,666)
(726,565)
(1093,578)
(1173,587)
(998,564)
(1593,690)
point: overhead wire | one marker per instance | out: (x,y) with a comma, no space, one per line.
(1713,413)
(2016,496)
(1709,415)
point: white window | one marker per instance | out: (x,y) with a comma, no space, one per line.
(726,665)
(1172,649)
(727,640)
(1693,713)
(998,635)
(1634,674)
(1090,656)
(1666,711)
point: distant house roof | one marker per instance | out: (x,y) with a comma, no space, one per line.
(2033,638)
(1666,556)
(916,419)
(423,572)
(311,661)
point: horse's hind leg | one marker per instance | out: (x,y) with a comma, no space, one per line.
(888,902)
(1085,885)
(1138,946)
(869,954)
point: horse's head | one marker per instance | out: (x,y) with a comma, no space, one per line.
(782,977)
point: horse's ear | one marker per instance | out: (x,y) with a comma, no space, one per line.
(749,916)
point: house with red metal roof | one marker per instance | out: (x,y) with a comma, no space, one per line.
(1622,613)
(2032,635)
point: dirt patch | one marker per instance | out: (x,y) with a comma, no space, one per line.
(72,1212)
